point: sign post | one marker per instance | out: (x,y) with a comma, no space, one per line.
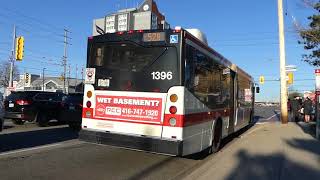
(317,73)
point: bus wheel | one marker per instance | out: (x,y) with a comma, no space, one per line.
(217,136)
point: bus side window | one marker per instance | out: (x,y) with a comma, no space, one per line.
(190,71)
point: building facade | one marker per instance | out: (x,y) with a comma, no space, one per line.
(31,82)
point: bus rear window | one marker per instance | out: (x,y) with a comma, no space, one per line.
(125,56)
(127,66)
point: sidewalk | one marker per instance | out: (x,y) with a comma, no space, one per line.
(270,151)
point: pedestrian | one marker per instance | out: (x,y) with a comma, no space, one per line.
(295,107)
(307,104)
(289,105)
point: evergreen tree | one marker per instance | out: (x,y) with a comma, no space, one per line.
(311,38)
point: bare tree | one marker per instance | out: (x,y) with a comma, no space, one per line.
(5,73)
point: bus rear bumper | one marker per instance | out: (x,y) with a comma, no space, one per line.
(133,142)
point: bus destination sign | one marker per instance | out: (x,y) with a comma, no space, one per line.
(154,37)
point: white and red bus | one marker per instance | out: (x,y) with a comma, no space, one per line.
(162,91)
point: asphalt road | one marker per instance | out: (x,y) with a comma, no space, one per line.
(267,114)
(30,152)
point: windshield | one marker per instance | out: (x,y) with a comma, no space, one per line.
(131,67)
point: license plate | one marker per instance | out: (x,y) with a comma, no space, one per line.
(71,107)
(11,104)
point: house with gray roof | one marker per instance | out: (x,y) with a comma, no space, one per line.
(31,82)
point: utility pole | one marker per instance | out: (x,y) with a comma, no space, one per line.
(82,74)
(283,81)
(12,58)
(76,80)
(43,78)
(65,59)
(69,77)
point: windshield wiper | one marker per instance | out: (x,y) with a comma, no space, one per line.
(163,52)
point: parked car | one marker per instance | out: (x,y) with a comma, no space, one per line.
(33,106)
(72,110)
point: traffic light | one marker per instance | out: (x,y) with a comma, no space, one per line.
(27,78)
(61,78)
(290,78)
(19,48)
(261,79)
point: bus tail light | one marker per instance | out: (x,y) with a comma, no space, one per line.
(89,94)
(120,33)
(177,29)
(130,32)
(172,121)
(156,90)
(88,104)
(173,98)
(173,109)
(140,31)
(88,114)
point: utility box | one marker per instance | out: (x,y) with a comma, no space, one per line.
(144,17)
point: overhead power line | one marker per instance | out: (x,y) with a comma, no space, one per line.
(22,15)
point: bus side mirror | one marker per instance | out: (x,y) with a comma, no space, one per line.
(257,90)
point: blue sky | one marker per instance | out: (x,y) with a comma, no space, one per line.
(243,31)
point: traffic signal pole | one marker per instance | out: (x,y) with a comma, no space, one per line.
(283,83)
(12,58)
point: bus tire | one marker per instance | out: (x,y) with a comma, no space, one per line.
(217,137)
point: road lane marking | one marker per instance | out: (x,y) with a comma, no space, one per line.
(272,116)
(264,120)
(68,143)
(29,149)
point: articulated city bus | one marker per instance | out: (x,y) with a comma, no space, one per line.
(163,91)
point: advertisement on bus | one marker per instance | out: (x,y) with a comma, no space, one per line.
(128,108)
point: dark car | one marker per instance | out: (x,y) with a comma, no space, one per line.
(72,110)
(30,106)
(1,124)
(18,106)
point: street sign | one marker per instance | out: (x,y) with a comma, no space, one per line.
(317,73)
(90,76)
(291,68)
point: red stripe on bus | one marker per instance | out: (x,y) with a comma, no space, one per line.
(195,118)
(181,120)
